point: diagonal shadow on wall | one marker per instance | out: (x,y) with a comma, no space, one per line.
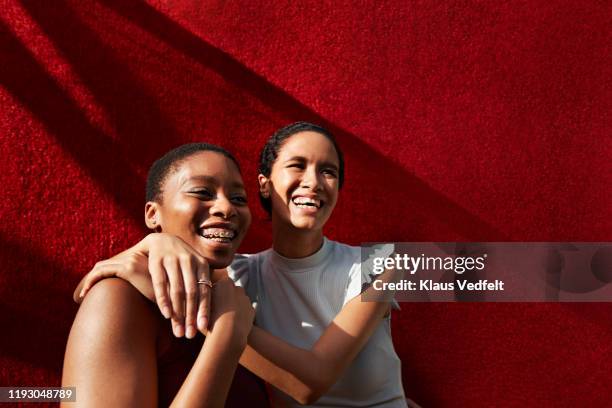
(134,111)
(35,305)
(64,118)
(400,186)
(96,153)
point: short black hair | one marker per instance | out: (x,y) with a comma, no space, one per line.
(169,162)
(269,153)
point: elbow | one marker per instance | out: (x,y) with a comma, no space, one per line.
(314,391)
(308,397)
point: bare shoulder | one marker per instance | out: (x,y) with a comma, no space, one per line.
(113,290)
(113,304)
(114,331)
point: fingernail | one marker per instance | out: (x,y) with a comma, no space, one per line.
(178,330)
(82,293)
(202,322)
(191,332)
(166,312)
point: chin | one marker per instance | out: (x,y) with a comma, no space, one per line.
(221,263)
(305,224)
(217,257)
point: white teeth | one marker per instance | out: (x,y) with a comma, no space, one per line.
(307,202)
(218,234)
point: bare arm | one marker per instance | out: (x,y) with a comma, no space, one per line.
(308,374)
(115,332)
(303,374)
(210,378)
(175,267)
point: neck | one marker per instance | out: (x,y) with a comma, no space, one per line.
(292,242)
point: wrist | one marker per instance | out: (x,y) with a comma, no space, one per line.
(227,328)
(145,244)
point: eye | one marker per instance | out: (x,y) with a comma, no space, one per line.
(203,194)
(296,165)
(239,199)
(330,172)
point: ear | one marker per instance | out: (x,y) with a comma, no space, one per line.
(264,185)
(152,216)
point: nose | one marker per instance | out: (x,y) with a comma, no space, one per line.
(310,179)
(223,208)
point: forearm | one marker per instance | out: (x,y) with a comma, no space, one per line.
(130,265)
(210,378)
(141,248)
(303,374)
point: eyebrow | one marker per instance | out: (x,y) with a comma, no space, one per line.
(212,180)
(324,164)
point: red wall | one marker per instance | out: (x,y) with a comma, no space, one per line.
(467,120)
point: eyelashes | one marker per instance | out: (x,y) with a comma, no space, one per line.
(240,200)
(207,195)
(330,172)
(326,171)
(203,193)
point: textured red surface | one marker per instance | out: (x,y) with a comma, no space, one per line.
(461,120)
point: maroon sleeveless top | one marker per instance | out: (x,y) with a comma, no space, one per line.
(176,357)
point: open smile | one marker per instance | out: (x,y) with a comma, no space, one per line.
(219,233)
(307,203)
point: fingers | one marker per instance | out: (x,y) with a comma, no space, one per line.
(205,294)
(188,269)
(174,268)
(88,282)
(160,286)
(99,272)
(177,295)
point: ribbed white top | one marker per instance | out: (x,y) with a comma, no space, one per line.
(298,298)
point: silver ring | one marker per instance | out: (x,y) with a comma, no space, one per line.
(205,282)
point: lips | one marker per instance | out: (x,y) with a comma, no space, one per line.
(223,233)
(307,202)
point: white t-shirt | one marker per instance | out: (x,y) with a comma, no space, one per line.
(298,298)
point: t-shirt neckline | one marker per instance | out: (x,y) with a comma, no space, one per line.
(298,264)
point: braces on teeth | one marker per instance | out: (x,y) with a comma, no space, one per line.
(219,234)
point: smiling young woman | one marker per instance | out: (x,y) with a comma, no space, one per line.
(120,351)
(311,325)
(300,190)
